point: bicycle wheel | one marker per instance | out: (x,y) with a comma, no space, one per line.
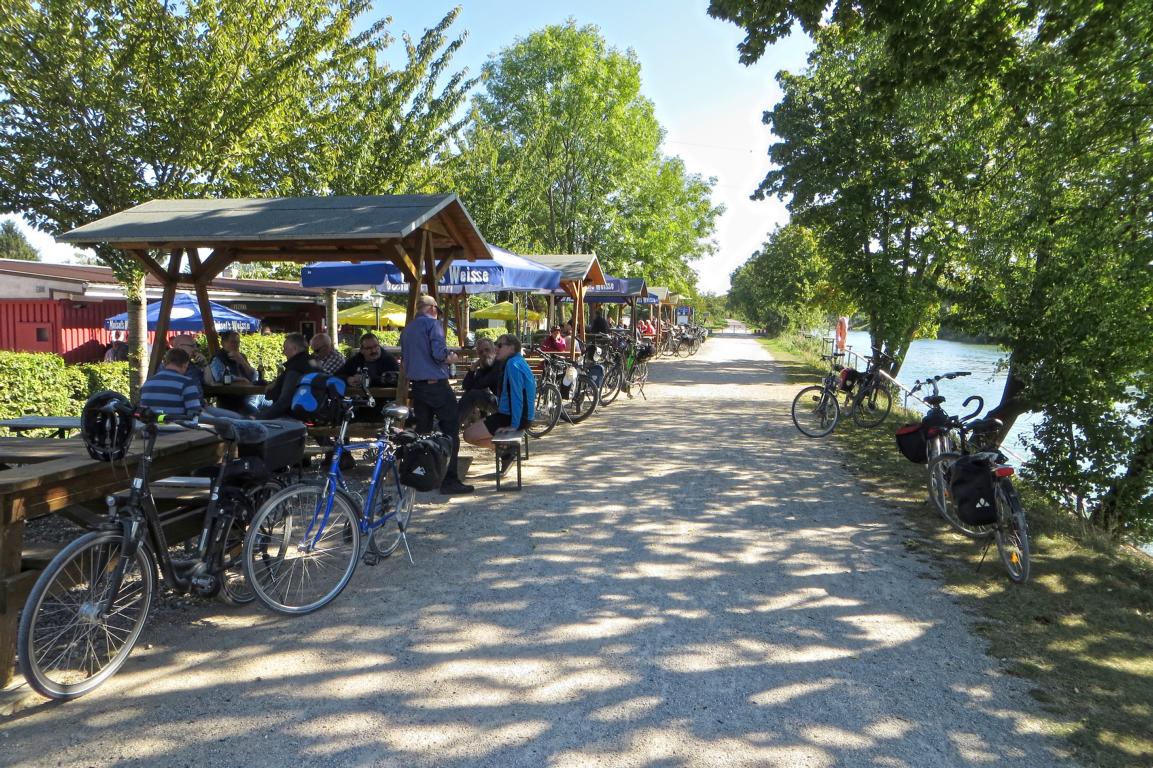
(547,411)
(294,560)
(68,643)
(942,497)
(1012,532)
(395,500)
(584,399)
(872,407)
(234,587)
(611,386)
(815,411)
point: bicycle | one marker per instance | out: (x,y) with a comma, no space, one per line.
(872,401)
(580,396)
(88,608)
(304,544)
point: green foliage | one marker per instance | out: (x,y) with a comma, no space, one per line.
(562,156)
(787,285)
(13,244)
(36,383)
(489,333)
(95,377)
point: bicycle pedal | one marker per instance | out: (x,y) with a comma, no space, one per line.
(370,559)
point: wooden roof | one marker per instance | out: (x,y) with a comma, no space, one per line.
(583,267)
(290,229)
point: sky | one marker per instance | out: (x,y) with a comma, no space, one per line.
(708,103)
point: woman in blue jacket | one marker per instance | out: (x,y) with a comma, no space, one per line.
(515,408)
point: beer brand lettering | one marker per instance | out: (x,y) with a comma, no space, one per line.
(464,275)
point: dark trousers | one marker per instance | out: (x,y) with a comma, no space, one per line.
(437,400)
(482,400)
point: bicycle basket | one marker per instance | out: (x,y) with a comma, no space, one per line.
(912,443)
(971,483)
(106,435)
(423,461)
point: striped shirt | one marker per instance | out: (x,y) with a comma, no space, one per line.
(172,393)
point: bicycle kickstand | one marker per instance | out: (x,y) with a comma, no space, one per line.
(404,538)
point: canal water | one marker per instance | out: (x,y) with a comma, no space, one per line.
(929,357)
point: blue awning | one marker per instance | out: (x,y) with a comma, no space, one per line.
(506,271)
(185,316)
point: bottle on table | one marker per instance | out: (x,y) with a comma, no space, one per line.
(260,373)
(227,378)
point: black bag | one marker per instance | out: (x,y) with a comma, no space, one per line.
(912,443)
(424,460)
(971,483)
(849,378)
(645,351)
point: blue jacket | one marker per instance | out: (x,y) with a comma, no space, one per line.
(518,393)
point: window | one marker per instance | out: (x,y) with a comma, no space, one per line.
(42,335)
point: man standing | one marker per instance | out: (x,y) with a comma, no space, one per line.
(425,359)
(324,355)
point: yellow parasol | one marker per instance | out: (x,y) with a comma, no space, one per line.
(504,311)
(365,315)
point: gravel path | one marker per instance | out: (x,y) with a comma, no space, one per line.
(683,581)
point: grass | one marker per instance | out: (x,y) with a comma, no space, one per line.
(1081,629)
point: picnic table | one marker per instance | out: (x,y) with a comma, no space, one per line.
(62,424)
(64,481)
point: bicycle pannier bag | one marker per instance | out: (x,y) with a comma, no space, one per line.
(971,483)
(317,397)
(912,443)
(424,461)
(849,377)
(645,351)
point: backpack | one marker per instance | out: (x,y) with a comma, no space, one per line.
(423,460)
(971,483)
(317,398)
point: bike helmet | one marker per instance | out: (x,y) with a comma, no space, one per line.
(106,433)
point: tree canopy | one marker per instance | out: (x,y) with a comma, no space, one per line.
(13,244)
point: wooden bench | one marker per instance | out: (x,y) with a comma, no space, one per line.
(517,438)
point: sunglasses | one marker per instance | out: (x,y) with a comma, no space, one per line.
(503,344)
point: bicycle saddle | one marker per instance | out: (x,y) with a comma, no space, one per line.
(934,399)
(981,426)
(396,412)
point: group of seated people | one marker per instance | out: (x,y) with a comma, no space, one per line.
(498,385)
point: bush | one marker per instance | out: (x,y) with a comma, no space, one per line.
(38,383)
(94,377)
(489,333)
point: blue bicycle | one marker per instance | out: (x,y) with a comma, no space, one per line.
(305,542)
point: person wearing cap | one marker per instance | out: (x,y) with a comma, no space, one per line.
(425,358)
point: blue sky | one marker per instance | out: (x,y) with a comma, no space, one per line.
(709,105)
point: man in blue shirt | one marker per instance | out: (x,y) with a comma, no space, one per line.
(170,391)
(425,358)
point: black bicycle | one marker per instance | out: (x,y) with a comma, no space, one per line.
(87,609)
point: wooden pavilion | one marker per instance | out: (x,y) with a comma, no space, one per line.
(420,234)
(578,271)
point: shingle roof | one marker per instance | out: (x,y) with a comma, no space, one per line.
(574,266)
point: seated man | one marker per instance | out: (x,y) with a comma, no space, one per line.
(554,342)
(196,362)
(296,364)
(481,384)
(515,405)
(571,342)
(373,359)
(170,390)
(230,365)
(324,355)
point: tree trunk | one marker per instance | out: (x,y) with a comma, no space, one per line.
(134,292)
(1011,405)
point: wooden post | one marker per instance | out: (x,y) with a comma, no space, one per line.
(206,315)
(11,548)
(165,314)
(330,314)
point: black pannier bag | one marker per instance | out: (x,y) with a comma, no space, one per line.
(971,483)
(645,350)
(849,378)
(423,460)
(912,443)
(283,445)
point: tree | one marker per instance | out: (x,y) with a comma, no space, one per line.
(562,155)
(786,285)
(107,105)
(13,244)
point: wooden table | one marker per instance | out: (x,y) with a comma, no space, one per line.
(62,424)
(246,390)
(35,450)
(55,485)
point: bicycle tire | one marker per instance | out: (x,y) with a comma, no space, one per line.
(66,647)
(234,587)
(872,407)
(1012,532)
(611,386)
(815,411)
(942,497)
(547,411)
(584,399)
(396,500)
(288,574)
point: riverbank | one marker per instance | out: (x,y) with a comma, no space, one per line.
(1081,630)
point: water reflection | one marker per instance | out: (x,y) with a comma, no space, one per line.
(929,357)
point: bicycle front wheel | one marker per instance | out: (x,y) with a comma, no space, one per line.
(584,400)
(815,411)
(394,503)
(611,386)
(872,407)
(296,561)
(70,640)
(1012,532)
(547,410)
